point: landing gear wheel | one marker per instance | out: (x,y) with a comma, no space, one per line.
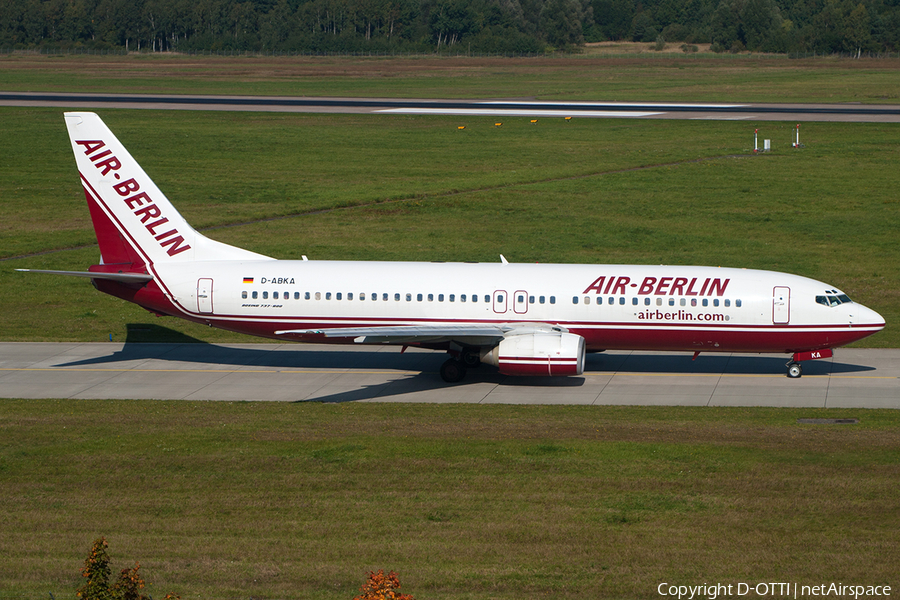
(794,370)
(453,371)
(470,359)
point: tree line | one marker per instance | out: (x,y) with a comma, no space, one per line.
(479,26)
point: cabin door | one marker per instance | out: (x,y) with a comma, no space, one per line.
(500,302)
(204,296)
(781,306)
(520,302)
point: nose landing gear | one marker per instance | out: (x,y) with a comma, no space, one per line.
(794,370)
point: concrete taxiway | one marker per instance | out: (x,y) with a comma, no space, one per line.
(854,378)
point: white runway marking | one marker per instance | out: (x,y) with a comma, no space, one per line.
(511,112)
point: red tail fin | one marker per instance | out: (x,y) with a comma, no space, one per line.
(114,248)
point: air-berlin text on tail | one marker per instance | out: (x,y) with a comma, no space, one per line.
(139,202)
(659,286)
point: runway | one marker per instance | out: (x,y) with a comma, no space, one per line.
(854,378)
(496,108)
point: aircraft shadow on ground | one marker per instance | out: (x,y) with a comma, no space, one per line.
(152,342)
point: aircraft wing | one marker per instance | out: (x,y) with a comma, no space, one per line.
(467,334)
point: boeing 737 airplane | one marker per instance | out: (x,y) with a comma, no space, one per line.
(525,319)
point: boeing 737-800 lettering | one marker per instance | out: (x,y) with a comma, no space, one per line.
(524,319)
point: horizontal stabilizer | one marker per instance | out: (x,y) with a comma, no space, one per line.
(121,277)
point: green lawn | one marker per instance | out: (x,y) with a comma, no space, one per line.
(417,188)
(221,500)
(721,78)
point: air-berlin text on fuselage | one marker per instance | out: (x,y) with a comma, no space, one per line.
(139,202)
(659,286)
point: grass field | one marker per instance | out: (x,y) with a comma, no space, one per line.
(723,78)
(220,500)
(587,190)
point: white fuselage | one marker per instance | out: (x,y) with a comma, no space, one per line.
(611,306)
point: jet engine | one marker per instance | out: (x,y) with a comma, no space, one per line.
(545,354)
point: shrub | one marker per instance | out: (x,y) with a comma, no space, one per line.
(97,571)
(381,587)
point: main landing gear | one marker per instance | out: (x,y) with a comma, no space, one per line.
(454,369)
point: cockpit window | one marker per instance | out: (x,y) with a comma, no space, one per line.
(833,300)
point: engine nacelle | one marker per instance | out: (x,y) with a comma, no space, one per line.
(546,354)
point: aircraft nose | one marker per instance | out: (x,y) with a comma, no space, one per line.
(864,315)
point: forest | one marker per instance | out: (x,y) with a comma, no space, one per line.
(513,27)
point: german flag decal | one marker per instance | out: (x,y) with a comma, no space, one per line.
(248,280)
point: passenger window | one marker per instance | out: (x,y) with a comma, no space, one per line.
(396,297)
(488,298)
(530,299)
(286,296)
(646,301)
(409,297)
(384,297)
(634,301)
(659,301)
(440,297)
(499,298)
(296,295)
(306,296)
(462,297)
(431,297)
(474,297)
(737,303)
(693,302)
(374,297)
(622,300)
(682,302)
(328,295)
(716,302)
(349,295)
(419,297)
(521,299)
(671,301)
(244,295)
(337,296)
(542,299)
(265,295)
(452,297)
(254,295)
(727,303)
(274,295)
(705,302)
(362,297)
(574,299)
(552,299)
(318,295)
